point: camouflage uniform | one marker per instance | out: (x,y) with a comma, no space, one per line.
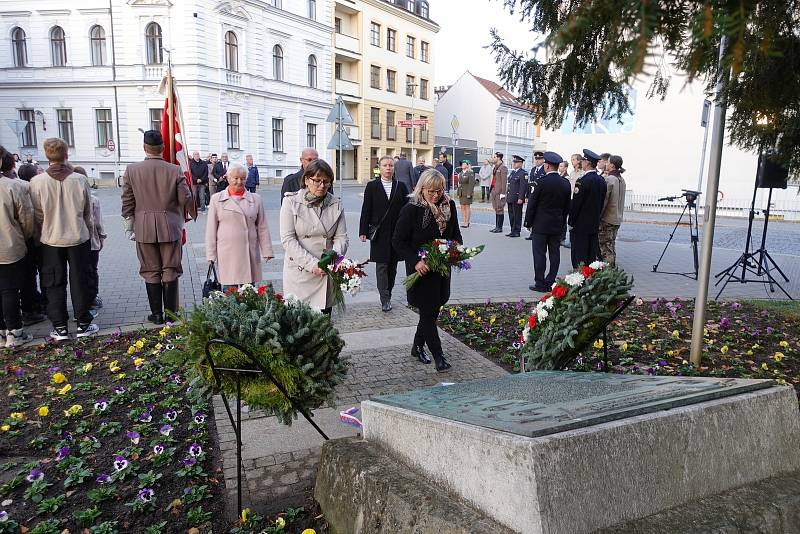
(608,237)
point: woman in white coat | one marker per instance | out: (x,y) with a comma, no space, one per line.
(312,221)
(237,234)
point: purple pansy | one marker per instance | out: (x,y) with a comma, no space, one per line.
(62,453)
(3,516)
(146,417)
(171,415)
(103,479)
(165,430)
(134,437)
(199,418)
(146,495)
(35,475)
(78,353)
(724,323)
(19,373)
(735,305)
(195,450)
(120,463)
(119,390)
(101,405)
(188,462)
(54,369)
(158,449)
(770,330)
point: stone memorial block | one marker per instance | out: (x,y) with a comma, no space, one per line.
(562,452)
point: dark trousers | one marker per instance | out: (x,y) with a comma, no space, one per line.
(385,274)
(29,295)
(427,332)
(202,195)
(93,281)
(564,233)
(515,216)
(542,244)
(585,248)
(54,282)
(251,189)
(11,276)
(484,193)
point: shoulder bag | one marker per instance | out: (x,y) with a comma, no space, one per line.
(212,282)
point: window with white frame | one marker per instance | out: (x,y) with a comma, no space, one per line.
(155,118)
(277,135)
(312,70)
(502,125)
(231,51)
(19,47)
(29,132)
(58,47)
(65,129)
(424,10)
(311,135)
(312,9)
(411,46)
(337,24)
(410,85)
(375,76)
(391,81)
(232,121)
(277,62)
(104,126)
(409,131)
(97,39)
(337,70)
(375,34)
(424,52)
(423,89)
(154,47)
(391,40)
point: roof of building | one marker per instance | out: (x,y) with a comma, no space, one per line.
(502,94)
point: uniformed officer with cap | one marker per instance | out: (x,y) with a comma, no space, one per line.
(584,217)
(548,208)
(516,193)
(537,173)
(154,199)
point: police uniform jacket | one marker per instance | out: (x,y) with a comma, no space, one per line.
(517,185)
(155,194)
(536,175)
(377,205)
(588,197)
(548,206)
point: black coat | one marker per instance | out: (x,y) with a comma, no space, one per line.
(587,203)
(537,173)
(517,185)
(432,290)
(548,206)
(418,170)
(199,171)
(292,184)
(373,209)
(220,173)
(404,172)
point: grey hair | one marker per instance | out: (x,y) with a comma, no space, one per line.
(428,178)
(238,168)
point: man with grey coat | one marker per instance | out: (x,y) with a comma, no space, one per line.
(404,172)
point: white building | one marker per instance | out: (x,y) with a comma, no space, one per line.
(254,77)
(482,110)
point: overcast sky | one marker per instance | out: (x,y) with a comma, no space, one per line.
(465,26)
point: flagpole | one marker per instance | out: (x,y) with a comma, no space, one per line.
(171,115)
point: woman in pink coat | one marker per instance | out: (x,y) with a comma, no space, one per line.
(237,235)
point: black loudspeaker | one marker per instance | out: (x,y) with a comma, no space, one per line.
(771,175)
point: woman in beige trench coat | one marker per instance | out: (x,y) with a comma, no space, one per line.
(237,234)
(312,220)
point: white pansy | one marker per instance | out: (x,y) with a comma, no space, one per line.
(442,248)
(598,265)
(245,287)
(574,279)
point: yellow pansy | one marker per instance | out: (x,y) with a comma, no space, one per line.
(114,366)
(670,353)
(139,344)
(17,416)
(280,522)
(120,376)
(138,361)
(131,349)
(749,352)
(158,346)
(624,347)
(765,367)
(724,349)
(685,362)
(246,512)
(756,346)
(779,356)
(75,409)
(784,344)
(471,313)
(309,531)
(453,312)
(5,428)
(676,334)
(781,382)
(705,332)
(44,411)
(598,344)
(492,319)
(87,367)
(66,389)
(521,322)
(651,326)
(59,378)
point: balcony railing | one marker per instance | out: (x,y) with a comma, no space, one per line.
(153,72)
(423,137)
(375,130)
(233,78)
(347,87)
(391,132)
(346,42)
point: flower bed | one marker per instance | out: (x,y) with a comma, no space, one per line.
(103,435)
(744,340)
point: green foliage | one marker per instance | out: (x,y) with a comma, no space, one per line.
(575,319)
(87,517)
(592,51)
(297,344)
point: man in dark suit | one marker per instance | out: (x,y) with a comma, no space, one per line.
(383,200)
(220,173)
(418,170)
(294,182)
(199,170)
(443,161)
(588,197)
(516,192)
(546,215)
(404,172)
(537,173)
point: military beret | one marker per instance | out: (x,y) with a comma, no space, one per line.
(153,138)
(518,158)
(538,154)
(552,158)
(591,156)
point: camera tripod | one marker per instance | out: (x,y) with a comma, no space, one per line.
(694,231)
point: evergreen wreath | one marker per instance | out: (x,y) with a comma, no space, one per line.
(296,343)
(566,320)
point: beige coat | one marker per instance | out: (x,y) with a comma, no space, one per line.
(614,203)
(62,208)
(155,193)
(500,174)
(16,220)
(305,234)
(237,237)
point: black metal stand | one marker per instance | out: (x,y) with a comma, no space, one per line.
(694,233)
(237,421)
(758,263)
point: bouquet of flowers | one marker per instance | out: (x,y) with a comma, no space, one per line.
(441,255)
(345,274)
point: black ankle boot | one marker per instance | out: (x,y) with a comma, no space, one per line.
(498,224)
(441,363)
(418,352)
(154,297)
(170,298)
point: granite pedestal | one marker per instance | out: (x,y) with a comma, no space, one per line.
(557,452)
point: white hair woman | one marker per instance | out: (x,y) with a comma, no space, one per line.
(237,234)
(429,215)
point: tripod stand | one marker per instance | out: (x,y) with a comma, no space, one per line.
(758,262)
(694,232)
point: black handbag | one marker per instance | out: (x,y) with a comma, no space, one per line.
(212,282)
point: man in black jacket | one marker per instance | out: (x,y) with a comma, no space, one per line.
(383,200)
(588,197)
(294,182)
(418,170)
(220,173)
(199,169)
(547,212)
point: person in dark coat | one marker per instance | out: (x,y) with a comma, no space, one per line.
(429,215)
(516,193)
(548,208)
(294,182)
(537,173)
(444,162)
(383,200)
(252,182)
(588,197)
(418,170)
(199,170)
(219,173)
(404,172)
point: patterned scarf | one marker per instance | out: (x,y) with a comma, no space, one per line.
(438,212)
(315,201)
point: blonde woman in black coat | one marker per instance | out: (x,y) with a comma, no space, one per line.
(429,215)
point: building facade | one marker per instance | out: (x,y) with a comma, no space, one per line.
(383,70)
(254,77)
(479,109)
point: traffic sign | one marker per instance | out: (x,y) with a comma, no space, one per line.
(339,113)
(340,140)
(110,146)
(454,124)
